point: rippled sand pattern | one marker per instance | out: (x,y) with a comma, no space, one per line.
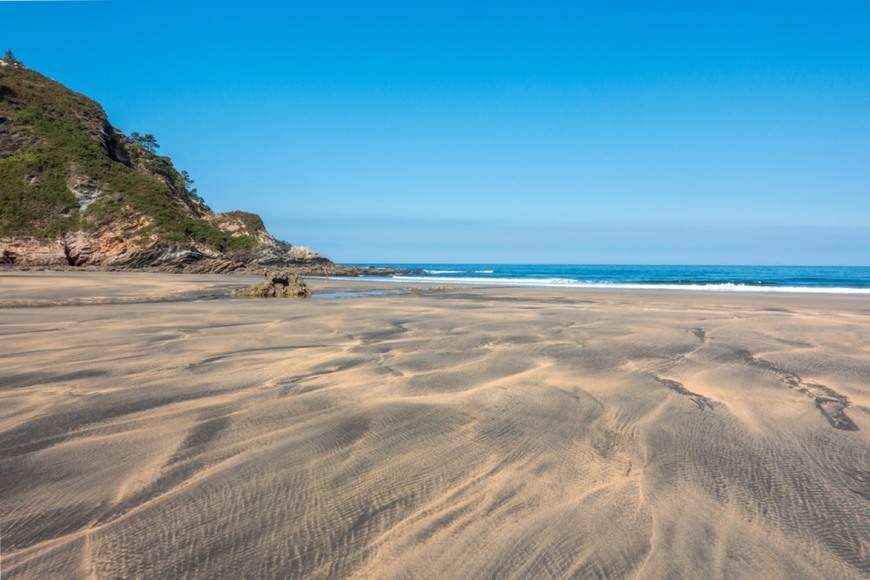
(485,433)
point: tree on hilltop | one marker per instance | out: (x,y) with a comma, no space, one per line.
(147,141)
(188,181)
(10,59)
(185,177)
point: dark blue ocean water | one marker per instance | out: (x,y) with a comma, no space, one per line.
(827,279)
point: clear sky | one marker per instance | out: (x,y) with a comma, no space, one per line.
(690,132)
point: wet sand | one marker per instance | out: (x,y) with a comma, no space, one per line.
(148,429)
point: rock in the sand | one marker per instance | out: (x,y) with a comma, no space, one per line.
(282,285)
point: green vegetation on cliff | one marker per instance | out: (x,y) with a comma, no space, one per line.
(64,168)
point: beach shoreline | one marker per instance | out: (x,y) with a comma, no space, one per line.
(22,288)
(158,429)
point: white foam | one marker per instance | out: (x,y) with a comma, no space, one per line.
(568,283)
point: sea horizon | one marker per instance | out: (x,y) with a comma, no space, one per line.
(736,278)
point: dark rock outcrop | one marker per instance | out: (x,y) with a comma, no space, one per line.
(282,285)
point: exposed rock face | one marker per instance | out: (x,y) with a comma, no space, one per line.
(36,253)
(85,189)
(113,141)
(109,248)
(283,285)
(303,254)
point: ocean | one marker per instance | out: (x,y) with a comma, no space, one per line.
(808,279)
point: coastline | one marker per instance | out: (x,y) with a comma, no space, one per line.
(466,431)
(45,288)
(795,279)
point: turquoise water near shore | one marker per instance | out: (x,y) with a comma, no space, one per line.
(817,279)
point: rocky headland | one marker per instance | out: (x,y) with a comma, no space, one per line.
(77,193)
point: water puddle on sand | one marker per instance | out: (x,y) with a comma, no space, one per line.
(358,294)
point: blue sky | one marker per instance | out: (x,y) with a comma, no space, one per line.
(698,132)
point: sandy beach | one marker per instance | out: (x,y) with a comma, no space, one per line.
(152,427)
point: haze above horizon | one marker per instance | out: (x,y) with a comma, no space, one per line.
(510,132)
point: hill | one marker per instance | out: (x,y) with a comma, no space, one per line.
(77,192)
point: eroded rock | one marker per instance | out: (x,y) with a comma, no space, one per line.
(281,285)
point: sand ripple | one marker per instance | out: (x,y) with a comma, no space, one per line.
(491,433)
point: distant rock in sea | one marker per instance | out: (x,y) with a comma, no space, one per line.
(75,192)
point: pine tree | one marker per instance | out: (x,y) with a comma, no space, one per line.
(10,59)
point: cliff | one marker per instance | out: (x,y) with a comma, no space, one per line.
(77,192)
